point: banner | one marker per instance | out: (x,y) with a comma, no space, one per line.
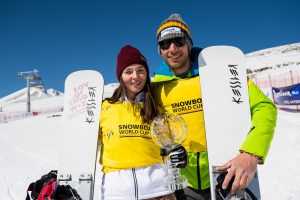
(289,95)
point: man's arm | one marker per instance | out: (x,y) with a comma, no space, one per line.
(256,146)
(264,116)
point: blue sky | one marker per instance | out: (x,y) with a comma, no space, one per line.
(58,37)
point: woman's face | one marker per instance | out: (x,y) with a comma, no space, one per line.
(134,77)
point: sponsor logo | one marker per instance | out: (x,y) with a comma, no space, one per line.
(188,106)
(170,30)
(134,130)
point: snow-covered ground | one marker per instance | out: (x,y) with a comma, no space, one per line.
(280,174)
(28,146)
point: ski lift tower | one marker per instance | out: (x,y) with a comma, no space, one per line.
(31,77)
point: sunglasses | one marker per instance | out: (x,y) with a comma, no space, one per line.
(165,44)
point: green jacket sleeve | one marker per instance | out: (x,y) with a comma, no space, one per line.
(264,116)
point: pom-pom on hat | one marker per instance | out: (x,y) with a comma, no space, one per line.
(173,27)
(129,55)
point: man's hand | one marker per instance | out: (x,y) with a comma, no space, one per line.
(243,167)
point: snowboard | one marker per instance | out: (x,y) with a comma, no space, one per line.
(78,141)
(226,108)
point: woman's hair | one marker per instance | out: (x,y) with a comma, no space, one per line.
(148,110)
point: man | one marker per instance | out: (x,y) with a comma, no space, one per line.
(176,81)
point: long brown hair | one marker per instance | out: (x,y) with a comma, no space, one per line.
(148,110)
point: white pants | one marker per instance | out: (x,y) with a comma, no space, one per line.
(134,183)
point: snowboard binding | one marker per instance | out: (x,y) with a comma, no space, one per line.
(224,194)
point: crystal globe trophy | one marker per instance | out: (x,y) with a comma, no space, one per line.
(168,131)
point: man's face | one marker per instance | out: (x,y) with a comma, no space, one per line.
(176,53)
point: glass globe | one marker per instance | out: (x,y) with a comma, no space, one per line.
(168,129)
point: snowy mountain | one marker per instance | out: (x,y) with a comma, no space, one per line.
(35,93)
(109,89)
(41,99)
(279,59)
(53,92)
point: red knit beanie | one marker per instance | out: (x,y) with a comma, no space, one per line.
(129,55)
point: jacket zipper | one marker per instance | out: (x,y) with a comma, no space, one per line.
(198,171)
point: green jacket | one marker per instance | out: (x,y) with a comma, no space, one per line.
(263,114)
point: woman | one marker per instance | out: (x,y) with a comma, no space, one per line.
(132,164)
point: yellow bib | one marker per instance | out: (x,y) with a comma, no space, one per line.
(125,141)
(183,97)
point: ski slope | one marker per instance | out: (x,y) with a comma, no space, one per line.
(28,149)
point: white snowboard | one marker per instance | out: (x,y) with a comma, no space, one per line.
(78,142)
(227,116)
